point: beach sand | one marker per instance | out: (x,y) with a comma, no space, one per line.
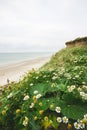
(15,72)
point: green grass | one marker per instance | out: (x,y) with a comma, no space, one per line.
(57,90)
(66,56)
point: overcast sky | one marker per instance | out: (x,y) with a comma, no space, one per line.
(41,25)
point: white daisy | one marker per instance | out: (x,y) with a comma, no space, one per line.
(35,92)
(10,95)
(26,97)
(65,120)
(25,122)
(59,119)
(38,96)
(58,109)
(77,125)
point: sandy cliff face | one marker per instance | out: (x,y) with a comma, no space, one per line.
(77,42)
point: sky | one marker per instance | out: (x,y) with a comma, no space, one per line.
(41,25)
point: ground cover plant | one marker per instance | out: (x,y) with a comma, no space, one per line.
(51,98)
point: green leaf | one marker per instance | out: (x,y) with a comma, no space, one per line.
(61,87)
(74,111)
(41,88)
(70,99)
(34,125)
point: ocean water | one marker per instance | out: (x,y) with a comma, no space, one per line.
(7,58)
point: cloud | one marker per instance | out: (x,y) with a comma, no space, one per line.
(42,25)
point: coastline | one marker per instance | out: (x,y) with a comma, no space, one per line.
(15,72)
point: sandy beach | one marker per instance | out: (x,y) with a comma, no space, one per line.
(14,72)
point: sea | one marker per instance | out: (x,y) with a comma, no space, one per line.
(8,58)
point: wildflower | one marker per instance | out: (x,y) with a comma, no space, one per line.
(54,77)
(83,83)
(32,105)
(40,103)
(82,125)
(75,61)
(10,95)
(50,122)
(84,87)
(53,85)
(77,125)
(31,84)
(79,89)
(35,118)
(84,121)
(18,111)
(80,72)
(34,98)
(85,116)
(58,109)
(38,96)
(69,126)
(84,95)
(67,75)
(71,88)
(25,122)
(47,81)
(41,112)
(37,77)
(35,92)
(77,76)
(46,118)
(65,120)
(54,73)
(3,112)
(26,97)
(51,106)
(59,119)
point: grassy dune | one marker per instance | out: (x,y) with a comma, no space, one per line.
(52,98)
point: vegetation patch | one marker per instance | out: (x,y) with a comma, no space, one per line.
(52,98)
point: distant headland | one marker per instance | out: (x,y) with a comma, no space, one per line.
(77,42)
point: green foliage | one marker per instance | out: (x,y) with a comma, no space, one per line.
(74,111)
(32,103)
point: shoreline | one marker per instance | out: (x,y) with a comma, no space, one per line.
(15,71)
